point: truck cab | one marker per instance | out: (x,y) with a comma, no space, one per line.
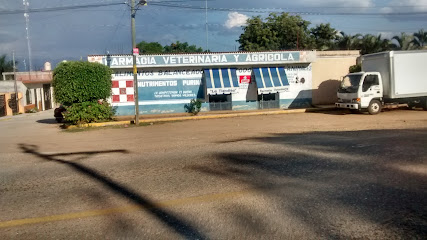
(361,91)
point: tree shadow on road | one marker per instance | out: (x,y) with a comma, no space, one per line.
(179,225)
(48,121)
(363,184)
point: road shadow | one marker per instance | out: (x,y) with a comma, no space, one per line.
(48,121)
(179,225)
(343,111)
(331,111)
(342,185)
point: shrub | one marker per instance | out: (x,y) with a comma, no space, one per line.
(193,107)
(32,110)
(88,112)
(355,68)
(78,82)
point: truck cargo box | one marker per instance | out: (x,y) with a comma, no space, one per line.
(404,73)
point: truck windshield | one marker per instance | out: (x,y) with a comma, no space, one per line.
(350,83)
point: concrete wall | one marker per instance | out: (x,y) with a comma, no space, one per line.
(8,96)
(9,87)
(37,98)
(328,70)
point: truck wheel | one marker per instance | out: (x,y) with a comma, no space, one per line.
(374,107)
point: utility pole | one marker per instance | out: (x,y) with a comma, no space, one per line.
(135,70)
(27,28)
(133,10)
(15,83)
(207,30)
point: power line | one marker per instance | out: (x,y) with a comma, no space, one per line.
(170,4)
(54,9)
(287,10)
(117,27)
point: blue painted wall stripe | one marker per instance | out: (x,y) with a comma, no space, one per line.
(208,78)
(275,77)
(234,77)
(258,79)
(226,77)
(267,78)
(217,80)
(283,76)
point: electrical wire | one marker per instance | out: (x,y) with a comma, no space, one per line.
(278,10)
(54,9)
(170,4)
(116,28)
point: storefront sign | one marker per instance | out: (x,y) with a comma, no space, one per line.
(213,59)
(273,90)
(167,84)
(216,91)
(245,79)
(136,51)
(170,89)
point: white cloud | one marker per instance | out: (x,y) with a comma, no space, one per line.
(235,19)
(336,3)
(405,6)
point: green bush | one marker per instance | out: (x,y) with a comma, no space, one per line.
(32,110)
(193,107)
(88,112)
(78,82)
(355,68)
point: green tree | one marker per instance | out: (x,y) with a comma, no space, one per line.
(150,47)
(256,36)
(277,32)
(77,82)
(373,44)
(180,47)
(348,42)
(5,65)
(324,36)
(420,39)
(404,42)
(82,87)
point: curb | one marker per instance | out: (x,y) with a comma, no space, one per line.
(218,116)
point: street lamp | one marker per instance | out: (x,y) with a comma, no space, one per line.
(135,70)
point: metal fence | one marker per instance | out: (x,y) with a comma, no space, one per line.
(2,105)
(268,104)
(13,104)
(220,106)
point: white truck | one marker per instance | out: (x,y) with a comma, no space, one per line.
(387,79)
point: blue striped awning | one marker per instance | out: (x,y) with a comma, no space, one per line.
(221,81)
(271,80)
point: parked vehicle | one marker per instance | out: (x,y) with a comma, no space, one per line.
(387,80)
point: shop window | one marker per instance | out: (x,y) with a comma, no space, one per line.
(220,102)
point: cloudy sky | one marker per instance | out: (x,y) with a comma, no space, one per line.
(73,33)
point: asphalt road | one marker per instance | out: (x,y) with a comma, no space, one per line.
(294,176)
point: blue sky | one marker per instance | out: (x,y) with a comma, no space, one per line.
(74,34)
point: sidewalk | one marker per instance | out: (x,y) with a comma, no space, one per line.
(123,120)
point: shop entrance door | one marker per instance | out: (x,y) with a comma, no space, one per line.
(47,96)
